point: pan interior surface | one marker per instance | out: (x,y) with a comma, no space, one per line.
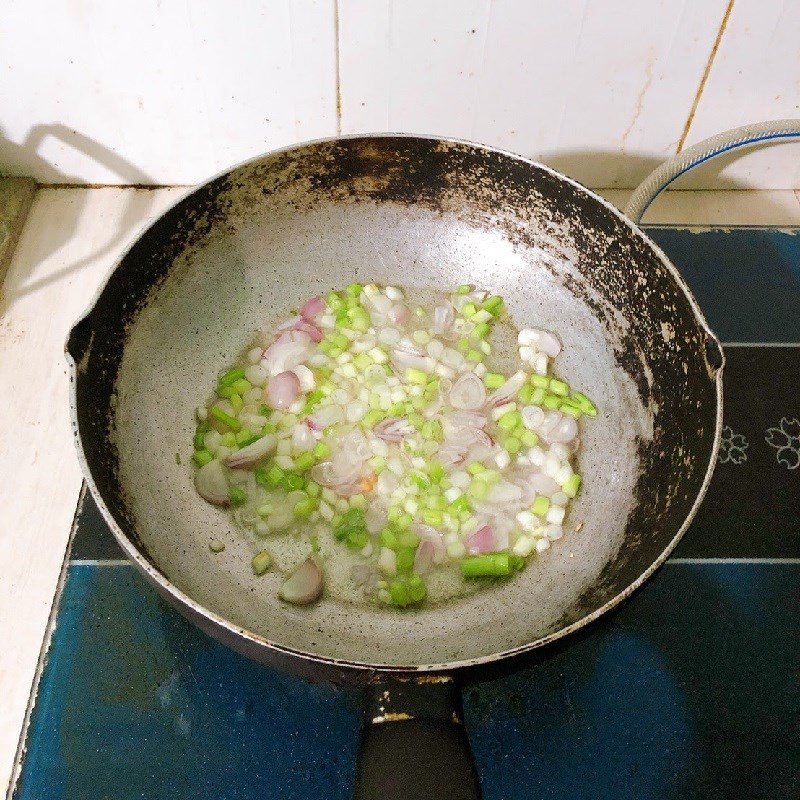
(423,214)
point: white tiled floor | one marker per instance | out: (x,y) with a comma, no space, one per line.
(69,242)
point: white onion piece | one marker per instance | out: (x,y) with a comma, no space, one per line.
(532,417)
(404,358)
(253,453)
(504,492)
(387,483)
(468,392)
(565,430)
(302,438)
(325,416)
(443,318)
(212,484)
(283,389)
(399,314)
(288,350)
(304,585)
(387,561)
(375,516)
(257,374)
(332,475)
(542,484)
(467,419)
(508,389)
(543,341)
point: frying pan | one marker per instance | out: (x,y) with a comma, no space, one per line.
(422,213)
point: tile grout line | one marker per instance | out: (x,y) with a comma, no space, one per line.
(704,79)
(337,66)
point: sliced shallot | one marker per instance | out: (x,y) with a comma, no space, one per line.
(253,453)
(283,389)
(481,541)
(304,585)
(212,483)
(312,307)
(443,318)
(468,392)
(392,429)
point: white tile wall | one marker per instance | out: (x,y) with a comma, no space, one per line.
(171,91)
(160,91)
(600,90)
(755,76)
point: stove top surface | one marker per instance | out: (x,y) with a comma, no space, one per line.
(690,690)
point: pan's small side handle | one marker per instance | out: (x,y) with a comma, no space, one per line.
(79,339)
(413,743)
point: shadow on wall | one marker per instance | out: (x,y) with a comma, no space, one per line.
(24,159)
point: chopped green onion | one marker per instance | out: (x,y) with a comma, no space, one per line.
(274,476)
(463,344)
(292,481)
(494,380)
(572,485)
(540,381)
(313,489)
(264,409)
(436,471)
(478,488)
(225,418)
(200,436)
(261,562)
(355,289)
(405,557)
(525,393)
(559,387)
(512,445)
(231,376)
(465,288)
(433,518)
(493,304)
(304,508)
(529,438)
(540,506)
(388,538)
(585,404)
(475,356)
(416,376)
(482,330)
(538,396)
(244,438)
(321,450)
(304,461)
(420,480)
(469,310)
(551,401)
(489,565)
(229,439)
(236,496)
(509,420)
(202,457)
(475,468)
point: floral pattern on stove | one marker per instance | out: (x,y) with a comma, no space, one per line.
(732,447)
(786,440)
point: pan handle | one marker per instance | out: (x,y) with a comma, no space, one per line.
(414,744)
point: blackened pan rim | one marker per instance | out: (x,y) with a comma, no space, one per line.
(152,573)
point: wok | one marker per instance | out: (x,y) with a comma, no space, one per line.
(423,213)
